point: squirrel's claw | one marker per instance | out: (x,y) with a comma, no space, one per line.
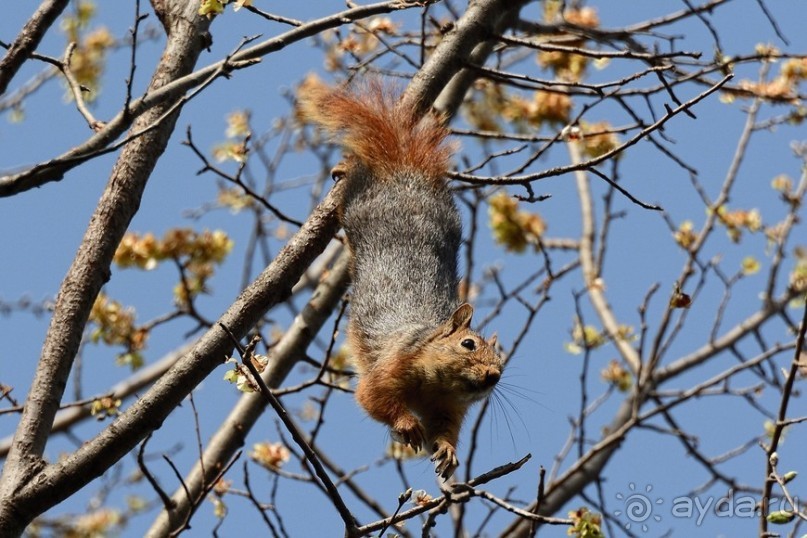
(445,458)
(409,431)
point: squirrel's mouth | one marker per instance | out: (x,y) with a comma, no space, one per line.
(482,386)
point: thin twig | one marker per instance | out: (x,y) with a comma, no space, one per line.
(779,426)
(333,493)
(77,89)
(168,502)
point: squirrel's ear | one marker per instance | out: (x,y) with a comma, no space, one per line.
(461,318)
(493,340)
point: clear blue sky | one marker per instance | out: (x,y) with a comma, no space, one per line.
(43,228)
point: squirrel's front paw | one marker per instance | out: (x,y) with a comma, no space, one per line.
(409,431)
(444,458)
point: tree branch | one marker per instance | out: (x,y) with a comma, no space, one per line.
(170,92)
(28,39)
(88,273)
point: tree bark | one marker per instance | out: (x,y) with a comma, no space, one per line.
(89,271)
(30,36)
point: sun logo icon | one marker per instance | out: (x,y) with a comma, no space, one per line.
(638,507)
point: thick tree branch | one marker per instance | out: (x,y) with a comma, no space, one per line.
(58,481)
(136,382)
(28,39)
(88,273)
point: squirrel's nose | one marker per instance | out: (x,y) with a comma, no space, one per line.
(491,378)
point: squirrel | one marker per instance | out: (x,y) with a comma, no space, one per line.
(420,364)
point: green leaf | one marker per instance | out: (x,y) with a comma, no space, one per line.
(781,517)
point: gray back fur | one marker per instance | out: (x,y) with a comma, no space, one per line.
(405,235)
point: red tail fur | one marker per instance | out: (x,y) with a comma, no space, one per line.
(382,135)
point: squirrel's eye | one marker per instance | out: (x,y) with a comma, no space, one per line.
(468,344)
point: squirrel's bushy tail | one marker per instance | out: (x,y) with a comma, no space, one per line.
(376,130)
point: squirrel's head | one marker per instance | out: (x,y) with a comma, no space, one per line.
(464,364)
